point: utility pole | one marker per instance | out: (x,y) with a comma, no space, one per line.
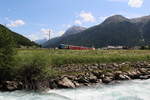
(49,32)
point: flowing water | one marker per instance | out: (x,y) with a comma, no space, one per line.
(129,90)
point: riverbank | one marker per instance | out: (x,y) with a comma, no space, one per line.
(126,90)
(79,75)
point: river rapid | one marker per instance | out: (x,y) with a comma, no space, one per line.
(128,90)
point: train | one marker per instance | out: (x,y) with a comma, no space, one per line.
(72,47)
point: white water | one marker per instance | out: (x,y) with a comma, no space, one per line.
(131,90)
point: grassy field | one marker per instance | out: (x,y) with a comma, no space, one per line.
(39,64)
(59,57)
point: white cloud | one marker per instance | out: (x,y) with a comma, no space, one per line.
(66,25)
(135,3)
(46,31)
(131,3)
(87,16)
(84,17)
(16,23)
(34,37)
(78,22)
(44,34)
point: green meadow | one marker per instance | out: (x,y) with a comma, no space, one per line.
(59,57)
(40,64)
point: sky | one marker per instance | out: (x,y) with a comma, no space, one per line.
(35,18)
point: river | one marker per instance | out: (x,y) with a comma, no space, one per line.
(129,90)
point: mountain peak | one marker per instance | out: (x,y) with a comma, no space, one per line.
(41,41)
(76,27)
(73,30)
(115,18)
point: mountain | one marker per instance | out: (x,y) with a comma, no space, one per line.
(71,31)
(115,19)
(144,25)
(141,21)
(115,30)
(146,32)
(112,31)
(74,30)
(19,39)
(52,43)
(41,41)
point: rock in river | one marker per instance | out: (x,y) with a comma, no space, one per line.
(65,83)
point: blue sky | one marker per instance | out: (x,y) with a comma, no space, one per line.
(34,18)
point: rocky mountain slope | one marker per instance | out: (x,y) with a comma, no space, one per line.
(115,30)
(71,31)
(74,30)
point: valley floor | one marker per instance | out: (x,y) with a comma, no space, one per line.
(42,69)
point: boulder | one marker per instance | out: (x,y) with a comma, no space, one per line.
(82,79)
(133,75)
(65,83)
(118,72)
(143,70)
(76,84)
(11,86)
(107,80)
(115,65)
(109,74)
(99,80)
(144,77)
(53,84)
(122,77)
(92,78)
(97,73)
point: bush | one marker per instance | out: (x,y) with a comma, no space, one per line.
(6,54)
(34,69)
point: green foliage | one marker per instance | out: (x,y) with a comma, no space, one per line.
(145,47)
(60,57)
(34,67)
(6,54)
(19,39)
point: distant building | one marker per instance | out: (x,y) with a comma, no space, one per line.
(113,48)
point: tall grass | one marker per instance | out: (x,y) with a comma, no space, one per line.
(59,57)
(35,64)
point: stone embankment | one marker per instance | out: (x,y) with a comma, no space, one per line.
(78,75)
(87,75)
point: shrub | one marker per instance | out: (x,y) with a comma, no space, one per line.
(34,69)
(6,54)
